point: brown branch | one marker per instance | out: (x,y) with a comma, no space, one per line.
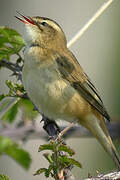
(66,129)
(14,67)
(11,66)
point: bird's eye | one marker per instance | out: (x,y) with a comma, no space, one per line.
(44,23)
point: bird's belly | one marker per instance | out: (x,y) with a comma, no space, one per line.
(53,96)
(49,93)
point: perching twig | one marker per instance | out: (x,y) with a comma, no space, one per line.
(90,22)
(66,129)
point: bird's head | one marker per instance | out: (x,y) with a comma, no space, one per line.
(42,31)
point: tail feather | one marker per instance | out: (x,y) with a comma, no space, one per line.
(99,130)
(114,154)
(116,158)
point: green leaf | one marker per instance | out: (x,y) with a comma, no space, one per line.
(5,143)
(3,40)
(11,42)
(10,85)
(14,87)
(46,147)
(48,157)
(69,161)
(4,177)
(2,96)
(48,171)
(27,107)
(6,104)
(44,170)
(8,32)
(66,149)
(40,171)
(74,162)
(19,155)
(11,114)
(18,40)
(8,147)
(5,52)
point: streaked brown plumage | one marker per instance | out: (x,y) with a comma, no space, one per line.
(56,83)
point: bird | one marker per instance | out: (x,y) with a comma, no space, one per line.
(57,84)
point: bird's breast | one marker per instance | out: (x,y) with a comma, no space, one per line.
(46,89)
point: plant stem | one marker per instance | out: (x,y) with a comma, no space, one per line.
(90,22)
(56,165)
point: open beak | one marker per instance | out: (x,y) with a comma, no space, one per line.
(24,19)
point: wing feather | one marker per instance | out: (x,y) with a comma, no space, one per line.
(71,70)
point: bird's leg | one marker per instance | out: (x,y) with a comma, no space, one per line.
(50,126)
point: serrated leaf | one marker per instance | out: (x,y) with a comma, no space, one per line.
(4,177)
(11,114)
(40,171)
(46,147)
(8,147)
(66,149)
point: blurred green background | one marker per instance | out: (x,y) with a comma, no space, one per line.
(98,52)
